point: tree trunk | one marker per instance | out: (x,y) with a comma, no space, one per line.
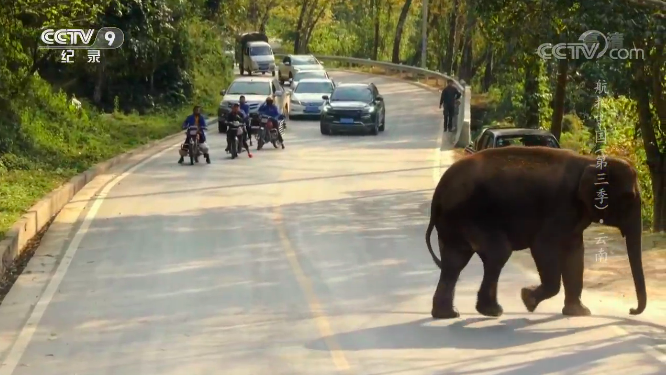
(299,26)
(398,31)
(311,28)
(99,82)
(558,101)
(450,44)
(467,60)
(530,99)
(488,73)
(375,46)
(655,159)
(458,51)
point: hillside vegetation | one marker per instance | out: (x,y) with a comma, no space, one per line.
(172,58)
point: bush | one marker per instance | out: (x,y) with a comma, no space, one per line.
(44,140)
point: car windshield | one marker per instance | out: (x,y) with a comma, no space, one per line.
(315,74)
(304,60)
(314,87)
(352,94)
(526,140)
(260,51)
(249,88)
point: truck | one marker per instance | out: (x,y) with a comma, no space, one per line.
(254,54)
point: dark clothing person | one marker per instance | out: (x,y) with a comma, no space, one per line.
(269,109)
(232,133)
(195,120)
(450,95)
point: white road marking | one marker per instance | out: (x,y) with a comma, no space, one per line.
(25,336)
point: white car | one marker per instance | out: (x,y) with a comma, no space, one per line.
(303,74)
(306,98)
(255,90)
(294,63)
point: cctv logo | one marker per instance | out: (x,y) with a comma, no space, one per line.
(66,37)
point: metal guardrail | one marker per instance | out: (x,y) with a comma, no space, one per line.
(463,116)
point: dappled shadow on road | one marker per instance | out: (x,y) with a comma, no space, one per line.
(217,282)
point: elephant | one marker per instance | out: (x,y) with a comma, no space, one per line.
(507,199)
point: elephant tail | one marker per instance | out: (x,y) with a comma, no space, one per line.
(431,225)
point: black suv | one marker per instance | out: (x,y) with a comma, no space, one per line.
(353,107)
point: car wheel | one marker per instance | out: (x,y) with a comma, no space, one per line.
(324,130)
(274,73)
(280,78)
(240,68)
(383,125)
(375,128)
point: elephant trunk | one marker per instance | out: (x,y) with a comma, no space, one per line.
(633,234)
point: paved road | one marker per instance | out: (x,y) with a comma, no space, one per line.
(308,260)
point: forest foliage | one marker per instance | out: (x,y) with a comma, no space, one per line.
(173,57)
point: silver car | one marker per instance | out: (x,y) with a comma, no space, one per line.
(304,74)
(291,64)
(306,98)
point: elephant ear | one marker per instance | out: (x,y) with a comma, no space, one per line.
(586,188)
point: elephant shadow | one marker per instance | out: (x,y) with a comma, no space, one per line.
(428,334)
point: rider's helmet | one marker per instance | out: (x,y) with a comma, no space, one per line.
(269,100)
(236,106)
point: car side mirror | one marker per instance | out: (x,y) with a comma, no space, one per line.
(279,93)
(325,97)
(380,98)
(222,92)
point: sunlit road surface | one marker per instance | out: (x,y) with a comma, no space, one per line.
(308,260)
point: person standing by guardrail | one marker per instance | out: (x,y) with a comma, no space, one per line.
(449,99)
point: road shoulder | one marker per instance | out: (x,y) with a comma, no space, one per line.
(28,288)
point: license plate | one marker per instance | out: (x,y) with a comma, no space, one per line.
(311,110)
(346,120)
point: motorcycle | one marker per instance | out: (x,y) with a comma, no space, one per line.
(236,132)
(266,133)
(193,149)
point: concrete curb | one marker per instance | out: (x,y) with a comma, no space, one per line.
(41,213)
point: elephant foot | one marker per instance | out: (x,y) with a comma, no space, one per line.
(575,309)
(448,313)
(527,294)
(492,309)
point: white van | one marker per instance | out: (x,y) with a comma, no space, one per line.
(257,57)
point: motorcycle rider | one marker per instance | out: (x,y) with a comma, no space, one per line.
(236,115)
(245,108)
(271,110)
(195,119)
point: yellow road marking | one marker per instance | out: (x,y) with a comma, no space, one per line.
(321,321)
(307,287)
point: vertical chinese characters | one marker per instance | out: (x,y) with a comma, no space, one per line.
(601,255)
(601,194)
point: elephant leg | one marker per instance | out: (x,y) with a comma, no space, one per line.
(547,260)
(455,255)
(494,256)
(572,259)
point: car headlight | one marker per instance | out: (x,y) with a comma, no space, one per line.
(293,100)
(369,109)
